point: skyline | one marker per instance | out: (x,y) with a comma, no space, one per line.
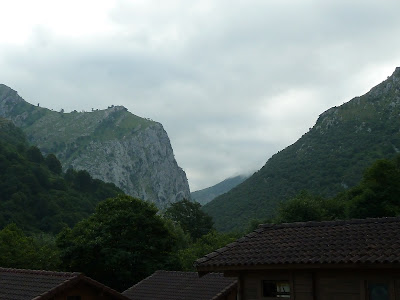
(232,82)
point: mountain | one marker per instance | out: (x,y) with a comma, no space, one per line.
(206,195)
(34,193)
(326,160)
(112,145)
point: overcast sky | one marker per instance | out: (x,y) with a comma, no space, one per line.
(232,81)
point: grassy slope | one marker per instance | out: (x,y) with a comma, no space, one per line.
(48,128)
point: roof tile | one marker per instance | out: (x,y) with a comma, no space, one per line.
(20,284)
(17,284)
(375,240)
(172,285)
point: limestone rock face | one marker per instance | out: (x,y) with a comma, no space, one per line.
(112,145)
(142,164)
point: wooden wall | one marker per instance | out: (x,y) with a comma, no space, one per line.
(321,284)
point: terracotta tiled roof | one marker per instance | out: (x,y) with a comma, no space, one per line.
(170,285)
(18,284)
(368,241)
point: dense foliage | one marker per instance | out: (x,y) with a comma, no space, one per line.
(124,240)
(35,195)
(377,195)
(17,250)
(121,243)
(204,245)
(327,160)
(190,217)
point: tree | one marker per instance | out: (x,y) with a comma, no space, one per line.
(34,154)
(20,251)
(306,207)
(83,180)
(124,241)
(191,218)
(183,241)
(53,163)
(204,245)
(303,207)
(378,194)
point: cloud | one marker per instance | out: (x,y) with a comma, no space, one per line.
(232,82)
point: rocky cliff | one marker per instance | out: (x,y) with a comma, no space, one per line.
(112,145)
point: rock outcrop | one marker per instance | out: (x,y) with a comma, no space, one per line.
(112,145)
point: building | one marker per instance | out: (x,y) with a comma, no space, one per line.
(18,284)
(174,285)
(346,260)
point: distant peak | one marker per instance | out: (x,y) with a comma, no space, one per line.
(4,87)
(7,94)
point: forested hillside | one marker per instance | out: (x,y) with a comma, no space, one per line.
(328,159)
(35,194)
(122,240)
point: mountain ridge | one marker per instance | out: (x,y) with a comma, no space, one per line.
(326,160)
(204,196)
(113,145)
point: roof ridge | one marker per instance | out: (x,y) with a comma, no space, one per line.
(326,223)
(176,272)
(223,249)
(51,292)
(40,272)
(226,290)
(72,281)
(142,281)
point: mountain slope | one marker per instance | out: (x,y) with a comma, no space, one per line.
(112,145)
(33,192)
(206,195)
(328,159)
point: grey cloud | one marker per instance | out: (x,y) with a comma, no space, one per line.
(231,81)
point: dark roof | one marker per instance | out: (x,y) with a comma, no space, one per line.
(368,241)
(19,284)
(171,285)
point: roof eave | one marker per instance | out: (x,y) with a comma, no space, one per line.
(75,280)
(203,270)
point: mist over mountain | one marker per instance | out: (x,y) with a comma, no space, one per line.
(206,195)
(326,160)
(113,145)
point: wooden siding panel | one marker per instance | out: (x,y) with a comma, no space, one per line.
(338,286)
(251,287)
(303,285)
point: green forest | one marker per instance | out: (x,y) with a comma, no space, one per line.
(35,194)
(376,195)
(68,221)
